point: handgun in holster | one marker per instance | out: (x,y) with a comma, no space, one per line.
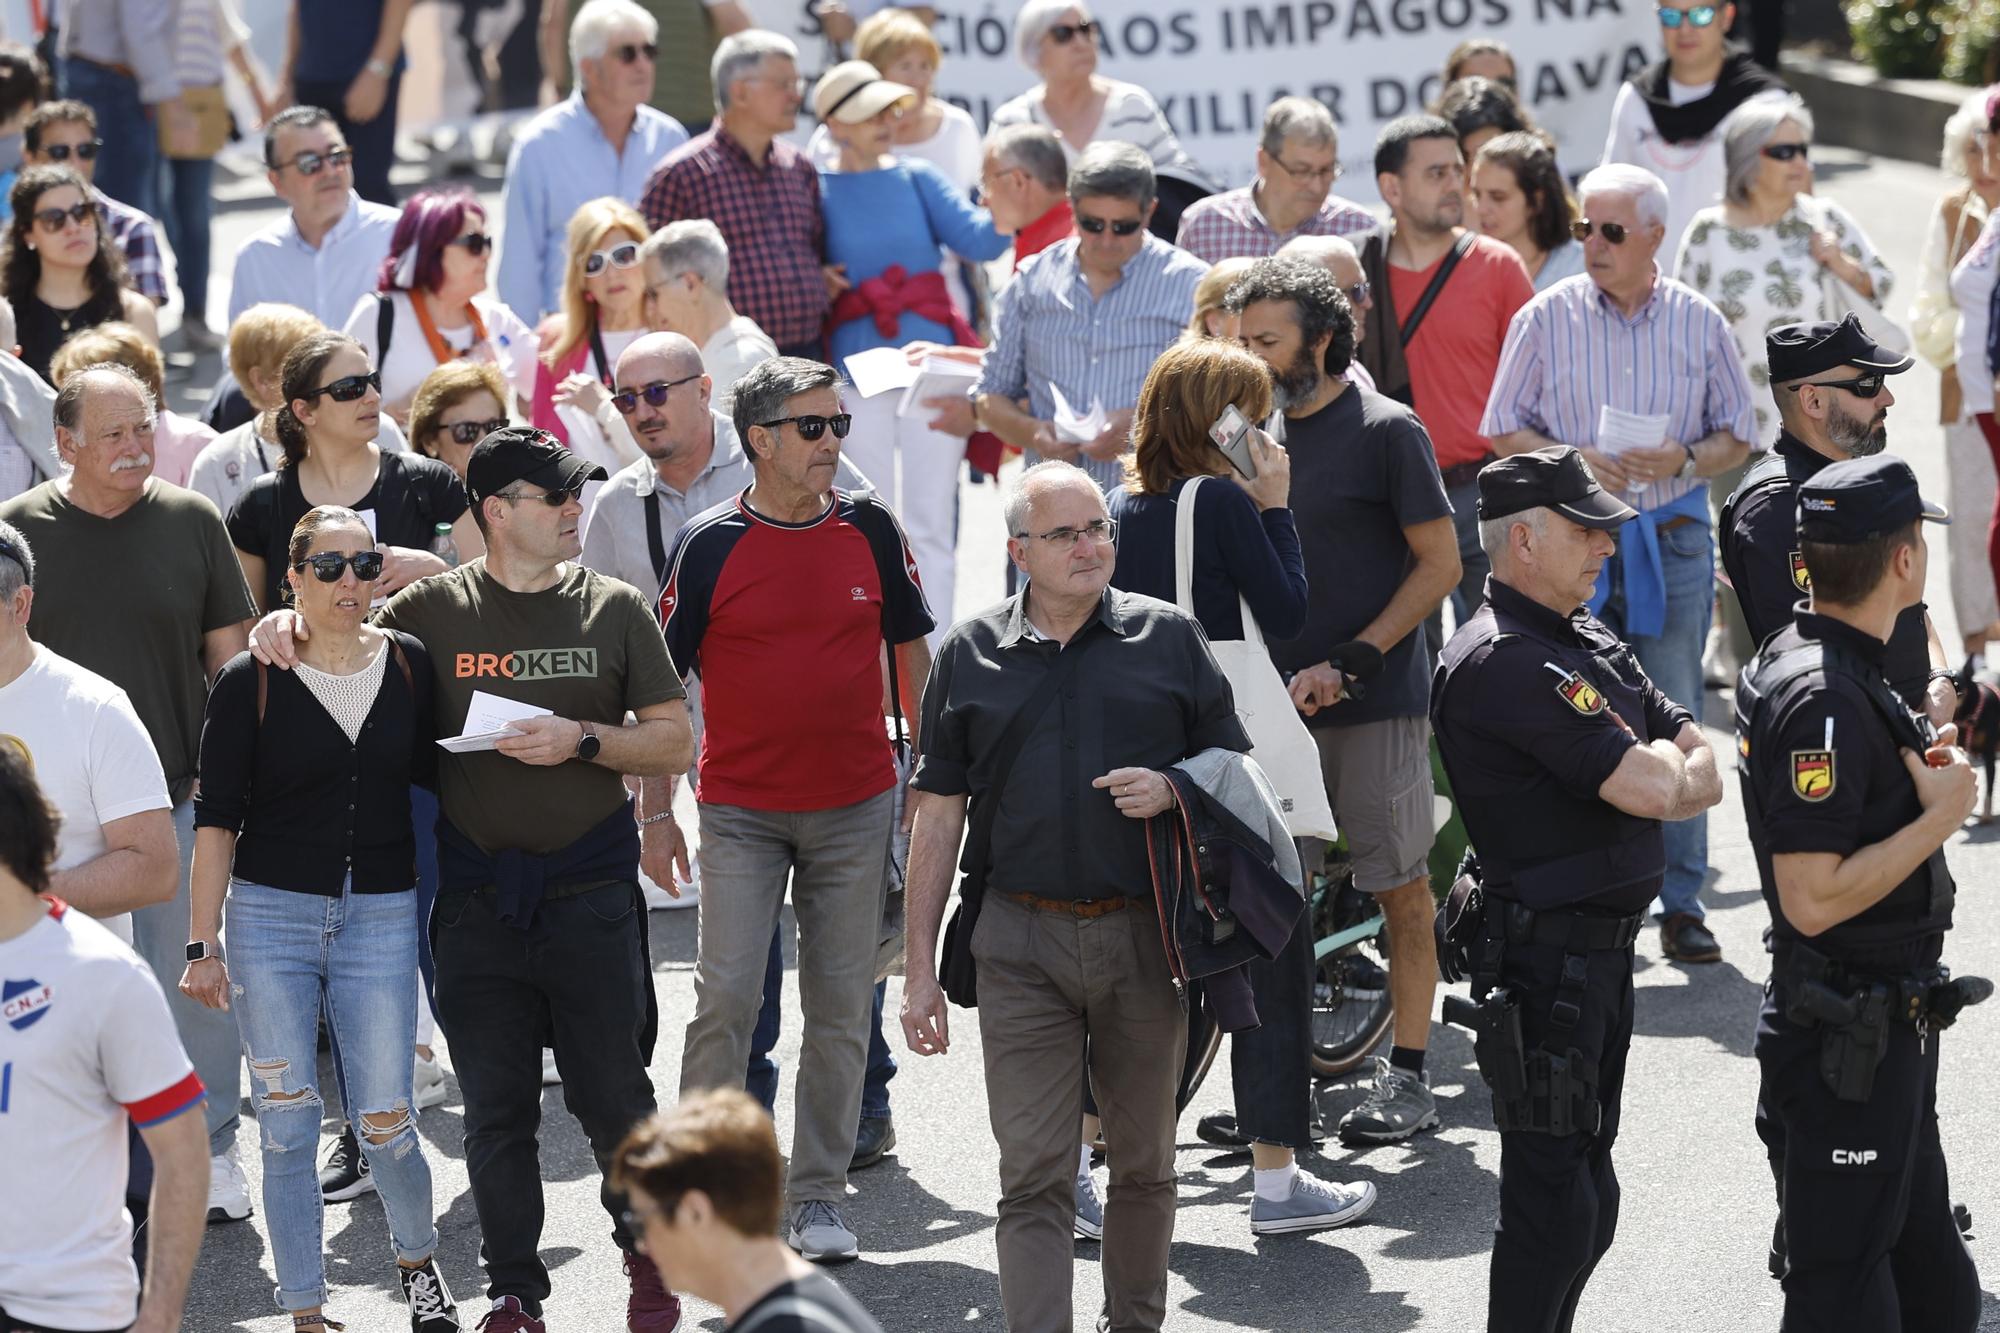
(1853,1025)
(1495,1023)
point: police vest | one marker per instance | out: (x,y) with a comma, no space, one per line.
(1550,847)
(1772,472)
(1919,906)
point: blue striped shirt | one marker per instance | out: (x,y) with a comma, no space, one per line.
(1050,331)
(1571,352)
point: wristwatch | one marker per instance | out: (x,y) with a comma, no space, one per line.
(1687,469)
(198,950)
(587,745)
(381,69)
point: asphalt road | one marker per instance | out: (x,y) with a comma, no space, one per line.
(1697,1196)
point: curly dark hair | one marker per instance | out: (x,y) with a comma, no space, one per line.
(1317,301)
(1477,103)
(304,365)
(20,266)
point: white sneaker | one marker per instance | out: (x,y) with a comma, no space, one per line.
(659,900)
(550,1074)
(430,1089)
(228,1191)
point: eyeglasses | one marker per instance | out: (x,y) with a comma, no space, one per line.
(811,428)
(553,499)
(347,388)
(1785,152)
(309,164)
(1614,233)
(1359,293)
(655,394)
(1696,16)
(618,256)
(1310,175)
(476,243)
(630,52)
(53,219)
(1065,32)
(1096,226)
(328,565)
(471,432)
(1861,386)
(85,152)
(796,84)
(1103,531)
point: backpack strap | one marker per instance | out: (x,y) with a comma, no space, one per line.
(263,688)
(385,327)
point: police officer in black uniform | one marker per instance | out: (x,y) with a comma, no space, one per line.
(1565,759)
(1831,384)
(1850,798)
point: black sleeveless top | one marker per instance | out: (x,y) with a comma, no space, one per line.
(42,328)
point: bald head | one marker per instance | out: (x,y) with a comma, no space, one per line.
(677,430)
(1337,255)
(672,352)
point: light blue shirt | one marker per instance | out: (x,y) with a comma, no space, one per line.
(1050,331)
(276,264)
(560,162)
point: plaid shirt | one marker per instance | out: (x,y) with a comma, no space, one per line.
(769,217)
(137,237)
(1228,225)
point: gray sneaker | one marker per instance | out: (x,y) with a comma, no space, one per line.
(1089,1210)
(1397,1106)
(819,1235)
(1315,1205)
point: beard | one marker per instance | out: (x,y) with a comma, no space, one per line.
(1855,437)
(1297,382)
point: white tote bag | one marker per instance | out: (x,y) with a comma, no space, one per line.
(1279,741)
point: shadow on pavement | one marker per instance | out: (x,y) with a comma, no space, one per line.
(1719,1004)
(1296,1282)
(895,1214)
(925,1294)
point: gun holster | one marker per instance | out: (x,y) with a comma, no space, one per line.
(1853,1021)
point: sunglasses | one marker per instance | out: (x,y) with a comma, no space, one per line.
(348,388)
(1359,293)
(811,428)
(1096,226)
(1614,233)
(85,152)
(1698,16)
(1064,33)
(631,51)
(471,432)
(52,219)
(309,164)
(476,243)
(327,565)
(655,394)
(1785,152)
(1862,386)
(553,499)
(618,256)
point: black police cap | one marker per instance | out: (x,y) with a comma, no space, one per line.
(1553,478)
(1858,499)
(1801,351)
(523,453)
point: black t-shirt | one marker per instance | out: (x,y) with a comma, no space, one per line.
(410,497)
(814,1303)
(1363,470)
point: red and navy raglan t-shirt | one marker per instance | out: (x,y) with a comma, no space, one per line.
(785,623)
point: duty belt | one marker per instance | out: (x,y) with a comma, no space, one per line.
(1570,931)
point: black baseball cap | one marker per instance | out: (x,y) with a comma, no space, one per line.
(523,453)
(1858,499)
(1553,478)
(1800,351)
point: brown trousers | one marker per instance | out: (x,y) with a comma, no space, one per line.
(1046,982)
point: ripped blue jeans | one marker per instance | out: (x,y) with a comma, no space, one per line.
(289,954)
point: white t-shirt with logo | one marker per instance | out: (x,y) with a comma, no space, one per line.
(89,751)
(85,1041)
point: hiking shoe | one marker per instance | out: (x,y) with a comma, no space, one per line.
(1397,1106)
(428,1082)
(228,1191)
(1089,1208)
(1685,939)
(431,1308)
(819,1235)
(651,1308)
(1314,1205)
(507,1316)
(1222,1130)
(344,1174)
(877,1135)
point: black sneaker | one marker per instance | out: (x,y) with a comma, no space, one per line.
(431,1308)
(876,1136)
(344,1175)
(1222,1130)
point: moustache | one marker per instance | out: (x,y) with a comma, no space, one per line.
(135,461)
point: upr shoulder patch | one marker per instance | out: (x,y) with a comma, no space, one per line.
(1812,775)
(1801,577)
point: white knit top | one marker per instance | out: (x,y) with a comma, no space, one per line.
(347,698)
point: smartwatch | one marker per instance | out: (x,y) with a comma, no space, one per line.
(1687,469)
(587,745)
(198,950)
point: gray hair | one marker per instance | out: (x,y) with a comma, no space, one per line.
(738,55)
(1114,171)
(1745,133)
(1647,192)
(1303,118)
(590,33)
(1033,23)
(1494,532)
(766,387)
(1035,150)
(1319,250)
(692,245)
(1015,497)
(17,562)
(1958,132)
(69,398)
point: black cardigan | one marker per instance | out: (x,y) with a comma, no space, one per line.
(309,806)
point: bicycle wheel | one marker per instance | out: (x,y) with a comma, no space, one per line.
(1352,1008)
(1204,1040)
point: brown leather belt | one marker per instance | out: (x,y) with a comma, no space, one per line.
(1088,909)
(1678,521)
(1464,474)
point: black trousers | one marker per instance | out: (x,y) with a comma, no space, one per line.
(373,142)
(577,980)
(1866,1203)
(1559,1193)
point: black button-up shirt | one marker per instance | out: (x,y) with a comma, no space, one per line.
(1148,696)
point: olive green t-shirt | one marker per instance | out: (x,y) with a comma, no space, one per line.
(687,44)
(131,597)
(587,649)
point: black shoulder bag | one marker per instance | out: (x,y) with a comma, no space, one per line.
(1409,327)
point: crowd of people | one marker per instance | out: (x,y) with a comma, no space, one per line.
(358,709)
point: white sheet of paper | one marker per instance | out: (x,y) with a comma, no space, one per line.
(487,721)
(1074,428)
(1619,431)
(879,370)
(938,377)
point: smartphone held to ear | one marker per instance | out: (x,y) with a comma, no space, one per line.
(1231,434)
